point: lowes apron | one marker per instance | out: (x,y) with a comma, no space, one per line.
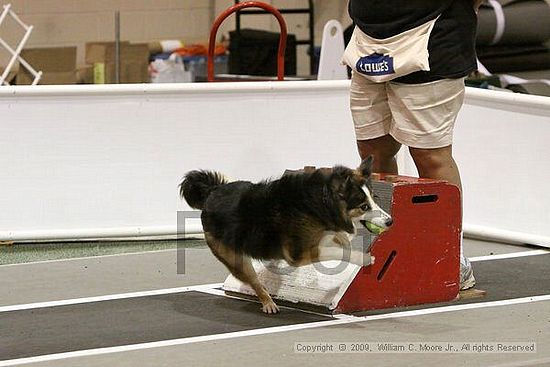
(381,60)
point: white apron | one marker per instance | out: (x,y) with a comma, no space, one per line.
(381,60)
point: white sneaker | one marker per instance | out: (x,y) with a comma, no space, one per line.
(467,279)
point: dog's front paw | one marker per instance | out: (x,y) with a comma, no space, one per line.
(371,259)
(361,259)
(270,307)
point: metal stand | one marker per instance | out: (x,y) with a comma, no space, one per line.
(117,47)
(309,11)
(235,8)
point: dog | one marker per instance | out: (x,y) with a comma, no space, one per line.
(302,218)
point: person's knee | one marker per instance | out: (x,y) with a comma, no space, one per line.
(431,159)
(383,148)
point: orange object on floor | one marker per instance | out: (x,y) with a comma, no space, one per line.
(200,50)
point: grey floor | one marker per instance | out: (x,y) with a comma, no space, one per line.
(121,272)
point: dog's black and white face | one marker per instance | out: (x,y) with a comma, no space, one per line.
(356,191)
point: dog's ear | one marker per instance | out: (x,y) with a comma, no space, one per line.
(366,166)
(341,185)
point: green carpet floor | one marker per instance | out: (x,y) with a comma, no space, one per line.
(31,252)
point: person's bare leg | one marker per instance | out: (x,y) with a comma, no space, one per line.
(437,164)
(383,149)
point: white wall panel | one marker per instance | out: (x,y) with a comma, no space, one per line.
(84,158)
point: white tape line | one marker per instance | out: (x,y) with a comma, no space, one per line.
(509,256)
(271,330)
(76,301)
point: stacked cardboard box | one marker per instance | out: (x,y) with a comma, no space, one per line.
(134,61)
(58,65)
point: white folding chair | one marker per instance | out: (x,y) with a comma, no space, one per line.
(15,54)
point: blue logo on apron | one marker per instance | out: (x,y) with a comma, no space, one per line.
(375,64)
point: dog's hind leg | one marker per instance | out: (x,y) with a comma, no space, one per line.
(248,274)
(241,267)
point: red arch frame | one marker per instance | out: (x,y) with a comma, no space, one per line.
(249,4)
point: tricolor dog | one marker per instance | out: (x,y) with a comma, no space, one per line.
(301,217)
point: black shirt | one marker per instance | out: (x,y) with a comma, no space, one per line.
(452,41)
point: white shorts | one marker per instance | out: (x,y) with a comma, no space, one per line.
(416,115)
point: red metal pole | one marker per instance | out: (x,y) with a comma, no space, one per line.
(237,7)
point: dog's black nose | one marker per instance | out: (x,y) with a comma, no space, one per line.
(389,222)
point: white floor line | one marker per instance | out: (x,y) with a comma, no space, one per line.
(109,297)
(91,257)
(343,319)
(510,255)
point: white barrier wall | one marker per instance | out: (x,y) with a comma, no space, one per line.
(501,147)
(105,161)
(109,159)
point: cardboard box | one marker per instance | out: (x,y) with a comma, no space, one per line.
(85,75)
(103,51)
(48,78)
(58,65)
(134,62)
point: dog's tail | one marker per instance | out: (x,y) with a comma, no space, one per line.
(197,186)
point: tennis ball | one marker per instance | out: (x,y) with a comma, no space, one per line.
(373,228)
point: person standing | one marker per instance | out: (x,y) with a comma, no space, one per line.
(409,59)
